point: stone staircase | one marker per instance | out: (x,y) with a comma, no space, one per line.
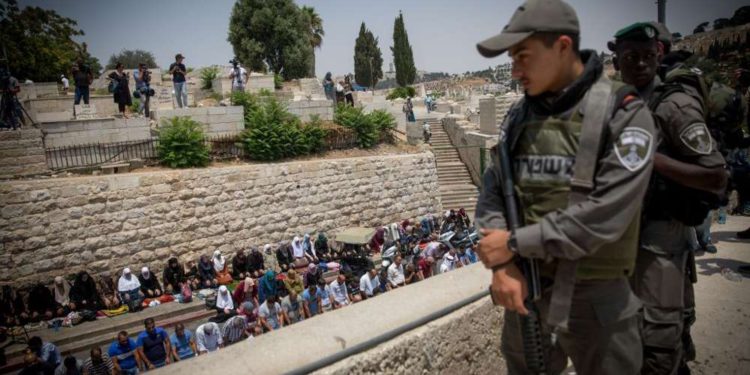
(456,187)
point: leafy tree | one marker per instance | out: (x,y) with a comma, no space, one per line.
(316,33)
(181,144)
(741,16)
(406,72)
(39,43)
(700,28)
(272,33)
(131,59)
(368,60)
(721,23)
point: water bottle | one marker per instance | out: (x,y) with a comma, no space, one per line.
(730,275)
(722,215)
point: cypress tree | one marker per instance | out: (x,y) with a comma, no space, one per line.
(402,54)
(368,60)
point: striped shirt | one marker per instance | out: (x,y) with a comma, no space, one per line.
(231,332)
(104,368)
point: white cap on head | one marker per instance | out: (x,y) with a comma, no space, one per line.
(144,270)
(223,289)
(126,271)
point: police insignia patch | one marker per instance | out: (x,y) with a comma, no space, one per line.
(697,138)
(633,148)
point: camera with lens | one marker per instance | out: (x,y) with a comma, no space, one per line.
(234,62)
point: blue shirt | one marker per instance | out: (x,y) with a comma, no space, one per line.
(125,354)
(182,344)
(50,354)
(312,302)
(153,344)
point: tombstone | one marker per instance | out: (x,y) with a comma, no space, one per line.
(85,111)
(487,120)
(164,98)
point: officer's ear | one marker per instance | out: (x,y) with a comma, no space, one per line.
(613,47)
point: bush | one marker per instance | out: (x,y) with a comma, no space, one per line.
(401,92)
(354,118)
(181,144)
(272,133)
(278,82)
(135,105)
(248,101)
(207,77)
(384,122)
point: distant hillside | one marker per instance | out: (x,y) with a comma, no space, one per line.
(701,42)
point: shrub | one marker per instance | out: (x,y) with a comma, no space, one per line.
(384,122)
(207,77)
(278,82)
(181,143)
(401,92)
(354,118)
(135,105)
(248,101)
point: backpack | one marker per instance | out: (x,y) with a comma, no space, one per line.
(112,87)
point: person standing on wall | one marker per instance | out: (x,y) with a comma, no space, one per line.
(82,77)
(178,72)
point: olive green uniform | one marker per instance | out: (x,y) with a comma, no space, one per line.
(600,233)
(660,279)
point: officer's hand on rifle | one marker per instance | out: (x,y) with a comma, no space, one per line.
(509,287)
(493,247)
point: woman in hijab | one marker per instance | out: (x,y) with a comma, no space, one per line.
(240,265)
(314,275)
(129,288)
(297,249)
(206,273)
(293,283)
(321,246)
(150,286)
(41,303)
(61,289)
(309,249)
(224,305)
(246,291)
(220,266)
(173,276)
(108,291)
(284,256)
(257,262)
(267,285)
(84,294)
(377,240)
(12,309)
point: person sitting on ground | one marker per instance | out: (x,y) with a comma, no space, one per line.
(224,305)
(257,262)
(12,308)
(41,303)
(377,240)
(208,338)
(369,284)
(396,273)
(322,248)
(129,288)
(340,292)
(61,289)
(84,294)
(183,343)
(240,265)
(207,273)
(250,312)
(98,363)
(311,301)
(268,286)
(425,267)
(309,249)
(245,291)
(150,286)
(450,261)
(410,274)
(314,275)
(220,267)
(70,366)
(293,282)
(173,276)
(293,308)
(270,314)
(193,276)
(153,345)
(234,330)
(284,256)
(124,354)
(33,365)
(297,249)
(46,351)
(326,296)
(108,291)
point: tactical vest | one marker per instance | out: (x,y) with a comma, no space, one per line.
(543,157)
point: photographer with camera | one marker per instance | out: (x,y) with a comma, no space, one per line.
(178,72)
(82,77)
(143,90)
(238,76)
(10,108)
(119,87)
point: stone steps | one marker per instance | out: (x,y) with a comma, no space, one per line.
(456,187)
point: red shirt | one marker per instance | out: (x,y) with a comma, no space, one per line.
(425,267)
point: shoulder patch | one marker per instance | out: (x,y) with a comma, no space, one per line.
(697,138)
(633,148)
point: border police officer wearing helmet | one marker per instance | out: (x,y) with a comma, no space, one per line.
(581,151)
(686,158)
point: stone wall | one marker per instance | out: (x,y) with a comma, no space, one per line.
(63,225)
(104,130)
(216,120)
(21,153)
(256,83)
(61,108)
(470,141)
(305,109)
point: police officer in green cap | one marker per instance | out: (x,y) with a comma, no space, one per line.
(687,157)
(581,150)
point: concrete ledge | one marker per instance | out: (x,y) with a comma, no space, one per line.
(324,335)
(215,120)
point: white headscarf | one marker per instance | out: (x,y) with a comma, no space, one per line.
(127,284)
(145,273)
(297,249)
(224,299)
(62,291)
(219,261)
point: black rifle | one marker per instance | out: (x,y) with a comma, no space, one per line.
(531,328)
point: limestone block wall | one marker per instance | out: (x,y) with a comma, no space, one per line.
(61,107)
(21,153)
(216,120)
(46,89)
(53,226)
(470,140)
(256,83)
(305,109)
(104,130)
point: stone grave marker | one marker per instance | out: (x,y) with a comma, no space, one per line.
(164,98)
(85,111)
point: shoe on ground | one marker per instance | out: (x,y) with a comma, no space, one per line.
(710,248)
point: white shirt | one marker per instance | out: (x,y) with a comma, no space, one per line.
(224,301)
(340,293)
(65,82)
(242,76)
(125,285)
(367,285)
(396,274)
(206,342)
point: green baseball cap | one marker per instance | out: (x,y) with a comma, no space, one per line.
(554,16)
(639,31)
